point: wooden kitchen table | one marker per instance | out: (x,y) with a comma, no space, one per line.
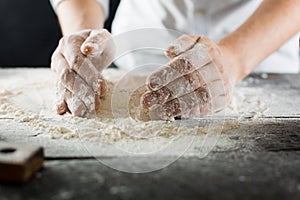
(257,159)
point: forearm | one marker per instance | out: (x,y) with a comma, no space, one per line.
(273,23)
(76,15)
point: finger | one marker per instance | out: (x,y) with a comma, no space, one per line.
(62,108)
(76,61)
(96,43)
(215,105)
(99,48)
(69,80)
(210,72)
(151,98)
(100,86)
(183,105)
(92,76)
(219,98)
(75,105)
(68,102)
(75,84)
(92,43)
(57,65)
(66,75)
(179,66)
(181,45)
(173,70)
(70,48)
(216,88)
(79,88)
(205,100)
(181,86)
(61,105)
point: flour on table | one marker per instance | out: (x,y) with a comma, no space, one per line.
(30,99)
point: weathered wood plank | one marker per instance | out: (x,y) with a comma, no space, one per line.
(226,175)
(261,135)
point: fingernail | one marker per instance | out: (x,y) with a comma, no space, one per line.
(62,108)
(153,83)
(88,49)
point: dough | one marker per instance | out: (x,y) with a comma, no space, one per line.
(123,96)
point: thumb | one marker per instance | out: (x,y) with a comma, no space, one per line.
(96,43)
(181,45)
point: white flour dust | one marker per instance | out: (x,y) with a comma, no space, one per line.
(27,97)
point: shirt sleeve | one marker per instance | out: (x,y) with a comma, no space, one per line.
(104,3)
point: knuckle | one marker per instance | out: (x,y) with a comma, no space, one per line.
(203,95)
(64,76)
(55,59)
(181,65)
(61,41)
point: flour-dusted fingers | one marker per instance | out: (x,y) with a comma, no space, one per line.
(219,98)
(68,77)
(77,61)
(78,67)
(70,47)
(101,86)
(215,105)
(87,53)
(166,74)
(216,88)
(58,65)
(179,87)
(151,98)
(75,104)
(184,84)
(210,72)
(197,100)
(80,89)
(198,50)
(67,102)
(185,63)
(100,48)
(93,45)
(61,104)
(183,105)
(58,62)
(195,52)
(69,80)
(62,108)
(181,45)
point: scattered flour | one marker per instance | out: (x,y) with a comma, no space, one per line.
(28,98)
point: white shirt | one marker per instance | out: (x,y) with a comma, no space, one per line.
(212,18)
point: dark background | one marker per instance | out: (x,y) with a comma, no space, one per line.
(29,32)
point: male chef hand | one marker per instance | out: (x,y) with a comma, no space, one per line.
(78,63)
(197,81)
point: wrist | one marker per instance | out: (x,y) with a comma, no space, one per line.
(233,62)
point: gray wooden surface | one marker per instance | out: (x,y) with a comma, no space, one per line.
(258,159)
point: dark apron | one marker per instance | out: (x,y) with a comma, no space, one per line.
(29,33)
